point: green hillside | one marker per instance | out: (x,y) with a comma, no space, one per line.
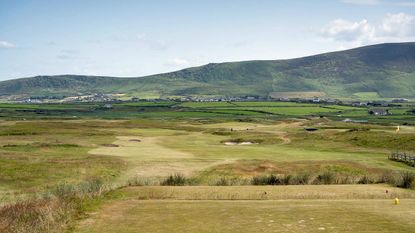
(384,70)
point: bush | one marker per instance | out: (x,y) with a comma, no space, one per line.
(300,179)
(365,180)
(387,178)
(407,180)
(266,180)
(327,177)
(174,180)
(228,181)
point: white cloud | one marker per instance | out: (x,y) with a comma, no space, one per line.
(341,29)
(392,28)
(379,2)
(178,62)
(400,24)
(362,2)
(6,45)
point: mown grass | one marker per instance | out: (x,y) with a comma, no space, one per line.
(361,208)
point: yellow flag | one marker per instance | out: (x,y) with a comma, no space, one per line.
(397,128)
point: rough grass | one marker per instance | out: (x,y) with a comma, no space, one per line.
(52,210)
(37,154)
(34,155)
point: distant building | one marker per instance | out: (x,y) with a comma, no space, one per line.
(379,112)
(359,104)
(108,106)
(347,120)
(378,104)
(400,100)
(316,100)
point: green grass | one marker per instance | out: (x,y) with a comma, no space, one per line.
(145,143)
(34,155)
(202,110)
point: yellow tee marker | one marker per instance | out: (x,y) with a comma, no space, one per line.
(397,201)
(397,129)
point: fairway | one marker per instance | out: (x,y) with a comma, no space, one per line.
(220,209)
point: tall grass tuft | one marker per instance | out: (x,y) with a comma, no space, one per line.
(327,177)
(51,211)
(365,180)
(265,180)
(175,180)
(301,179)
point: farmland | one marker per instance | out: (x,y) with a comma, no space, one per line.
(224,155)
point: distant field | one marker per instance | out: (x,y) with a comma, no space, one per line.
(227,110)
(366,95)
(305,94)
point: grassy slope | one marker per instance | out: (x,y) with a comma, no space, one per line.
(384,70)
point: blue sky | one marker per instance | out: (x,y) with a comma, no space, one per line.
(136,38)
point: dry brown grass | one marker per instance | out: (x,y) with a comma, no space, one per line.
(251,168)
(376,191)
(48,215)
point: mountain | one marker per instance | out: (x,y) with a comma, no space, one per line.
(384,70)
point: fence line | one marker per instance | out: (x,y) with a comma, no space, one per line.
(403,157)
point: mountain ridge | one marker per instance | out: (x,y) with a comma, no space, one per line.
(387,69)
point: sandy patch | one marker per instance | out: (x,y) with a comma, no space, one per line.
(148,148)
(238,144)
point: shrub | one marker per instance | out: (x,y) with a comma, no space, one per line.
(174,180)
(223,181)
(266,180)
(387,178)
(300,179)
(327,177)
(365,180)
(287,179)
(407,180)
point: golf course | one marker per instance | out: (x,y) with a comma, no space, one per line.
(205,167)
